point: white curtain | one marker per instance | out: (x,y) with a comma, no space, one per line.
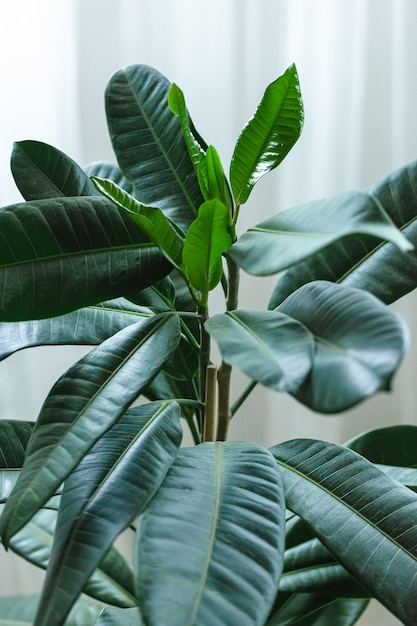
(356,63)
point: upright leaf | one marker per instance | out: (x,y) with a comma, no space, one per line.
(359,344)
(268,136)
(42,171)
(149,144)
(84,403)
(62,254)
(110,487)
(215,531)
(363,517)
(207,238)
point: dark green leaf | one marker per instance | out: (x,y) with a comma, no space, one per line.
(365,263)
(270,347)
(207,238)
(295,234)
(149,143)
(312,609)
(268,136)
(42,171)
(119,617)
(362,516)
(63,254)
(82,406)
(216,523)
(158,297)
(20,610)
(87,326)
(104,169)
(109,488)
(14,437)
(359,344)
(392,445)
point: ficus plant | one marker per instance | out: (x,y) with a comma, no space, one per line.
(123,257)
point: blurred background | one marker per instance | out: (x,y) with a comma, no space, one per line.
(356,61)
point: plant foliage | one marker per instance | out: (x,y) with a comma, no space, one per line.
(122,257)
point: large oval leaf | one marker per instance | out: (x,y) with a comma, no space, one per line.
(313,609)
(268,136)
(20,610)
(85,402)
(210,543)
(293,235)
(368,264)
(42,171)
(62,254)
(363,517)
(109,488)
(271,348)
(359,344)
(149,143)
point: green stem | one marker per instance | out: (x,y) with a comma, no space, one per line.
(225,370)
(204,358)
(240,400)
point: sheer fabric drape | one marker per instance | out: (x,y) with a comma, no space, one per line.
(356,62)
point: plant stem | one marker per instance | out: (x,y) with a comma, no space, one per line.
(240,400)
(209,418)
(204,360)
(225,370)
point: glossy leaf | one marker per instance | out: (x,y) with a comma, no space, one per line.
(42,171)
(104,169)
(312,609)
(367,264)
(270,347)
(62,254)
(84,403)
(151,220)
(207,238)
(392,445)
(293,235)
(119,617)
(87,326)
(363,517)
(109,488)
(359,343)
(211,175)
(149,144)
(216,523)
(14,438)
(268,137)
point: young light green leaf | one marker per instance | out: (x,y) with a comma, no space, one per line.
(211,169)
(151,220)
(271,348)
(295,234)
(268,136)
(176,103)
(207,238)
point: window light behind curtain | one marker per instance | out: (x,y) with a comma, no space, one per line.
(356,61)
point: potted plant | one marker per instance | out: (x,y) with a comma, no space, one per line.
(123,257)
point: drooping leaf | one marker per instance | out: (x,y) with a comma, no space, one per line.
(62,254)
(359,343)
(207,238)
(362,516)
(216,523)
(149,144)
(295,234)
(270,347)
(151,220)
(312,609)
(268,137)
(367,264)
(85,402)
(20,610)
(119,617)
(104,169)
(109,488)
(87,326)
(42,171)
